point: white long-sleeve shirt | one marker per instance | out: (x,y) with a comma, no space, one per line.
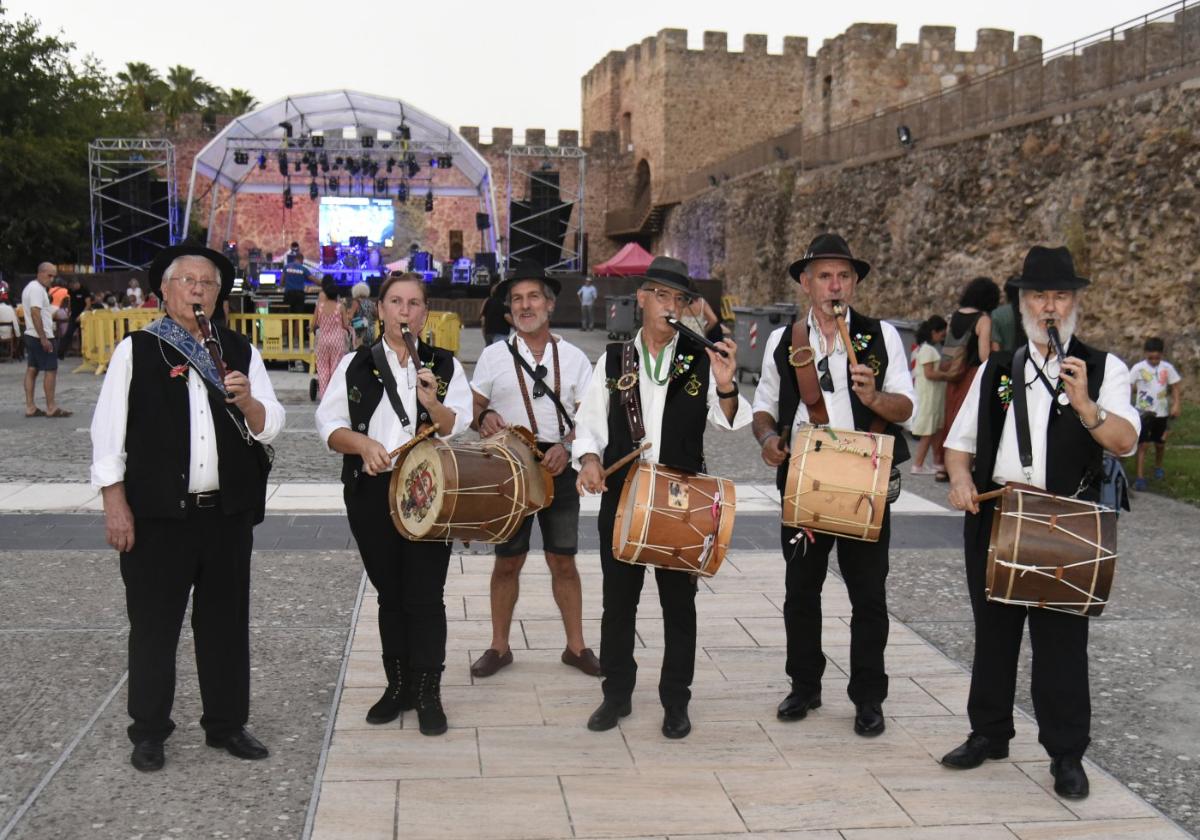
(591,421)
(963,435)
(897,380)
(385,427)
(112,414)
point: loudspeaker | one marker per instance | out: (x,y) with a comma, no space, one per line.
(539,238)
(482,221)
(487,259)
(543,188)
(143,201)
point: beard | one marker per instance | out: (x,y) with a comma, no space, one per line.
(1035,325)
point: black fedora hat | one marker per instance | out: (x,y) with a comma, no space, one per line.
(190,249)
(828,246)
(669,271)
(526,270)
(1049,270)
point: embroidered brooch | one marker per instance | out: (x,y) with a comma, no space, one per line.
(1005,390)
(354,395)
(682,365)
(873,363)
(860,342)
(692,386)
(179,370)
(441,385)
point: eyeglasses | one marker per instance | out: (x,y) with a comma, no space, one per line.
(539,387)
(192,283)
(826,377)
(665,297)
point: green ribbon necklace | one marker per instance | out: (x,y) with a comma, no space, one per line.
(657,363)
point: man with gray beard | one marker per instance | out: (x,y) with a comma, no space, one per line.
(1077,407)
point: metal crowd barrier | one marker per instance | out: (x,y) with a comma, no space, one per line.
(278,337)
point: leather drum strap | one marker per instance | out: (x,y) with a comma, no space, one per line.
(631,397)
(806,376)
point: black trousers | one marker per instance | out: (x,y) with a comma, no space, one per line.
(410,578)
(622,591)
(1061,697)
(294,298)
(206,556)
(864,568)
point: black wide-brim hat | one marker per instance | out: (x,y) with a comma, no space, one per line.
(1049,270)
(828,246)
(188,249)
(526,270)
(669,271)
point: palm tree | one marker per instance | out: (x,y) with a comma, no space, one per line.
(186,91)
(141,87)
(233,102)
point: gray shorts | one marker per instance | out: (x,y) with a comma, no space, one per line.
(39,359)
(559,522)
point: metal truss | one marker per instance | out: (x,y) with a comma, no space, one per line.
(528,163)
(112,163)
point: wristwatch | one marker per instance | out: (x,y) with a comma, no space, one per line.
(1101,416)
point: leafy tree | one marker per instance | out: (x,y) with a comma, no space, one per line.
(186,93)
(142,89)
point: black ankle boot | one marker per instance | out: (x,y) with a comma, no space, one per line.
(431,717)
(396,697)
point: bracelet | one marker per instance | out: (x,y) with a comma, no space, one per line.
(762,441)
(1101,416)
(485,413)
(725,395)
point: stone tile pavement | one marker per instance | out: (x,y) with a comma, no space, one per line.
(519,763)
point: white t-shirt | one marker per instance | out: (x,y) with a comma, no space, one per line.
(495,379)
(1152,386)
(587,295)
(34,294)
(9,325)
(134,293)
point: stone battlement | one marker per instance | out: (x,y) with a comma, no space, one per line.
(502,137)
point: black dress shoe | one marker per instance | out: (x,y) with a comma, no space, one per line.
(147,756)
(675,722)
(868,719)
(1070,782)
(796,705)
(240,744)
(974,751)
(608,713)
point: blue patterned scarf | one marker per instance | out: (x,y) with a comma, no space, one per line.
(195,353)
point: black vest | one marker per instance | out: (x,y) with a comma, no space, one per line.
(685,413)
(364,388)
(158,435)
(1073,458)
(789,393)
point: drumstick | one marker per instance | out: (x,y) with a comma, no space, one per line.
(623,461)
(991,494)
(838,309)
(417,438)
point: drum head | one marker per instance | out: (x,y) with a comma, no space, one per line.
(420,489)
(523,446)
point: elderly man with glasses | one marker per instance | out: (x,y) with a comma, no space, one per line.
(877,392)
(180,450)
(536,380)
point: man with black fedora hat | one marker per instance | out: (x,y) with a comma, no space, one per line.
(181,454)
(1037,419)
(875,395)
(661,388)
(536,380)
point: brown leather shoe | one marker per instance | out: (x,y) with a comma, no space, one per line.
(585,661)
(490,663)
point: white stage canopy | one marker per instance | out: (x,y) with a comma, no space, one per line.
(342,118)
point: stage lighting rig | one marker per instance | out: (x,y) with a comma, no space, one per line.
(331,184)
(324,162)
(410,160)
(287,198)
(312,168)
(298,165)
(338,162)
(352,165)
(391,164)
(381,186)
(445,161)
(404,132)
(241,158)
(429,201)
(318,141)
(287,129)
(262,161)
(313,192)
(402,193)
(282,159)
(367,141)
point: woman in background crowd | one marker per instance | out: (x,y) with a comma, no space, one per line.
(332,325)
(931,394)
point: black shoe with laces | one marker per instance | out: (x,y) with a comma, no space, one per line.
(396,697)
(431,717)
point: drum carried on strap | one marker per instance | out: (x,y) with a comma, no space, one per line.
(1051,551)
(522,443)
(475,492)
(674,520)
(838,482)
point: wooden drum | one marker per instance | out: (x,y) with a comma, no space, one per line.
(522,443)
(674,520)
(837,482)
(1052,552)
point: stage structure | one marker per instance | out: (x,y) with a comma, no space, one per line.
(542,226)
(135,213)
(340,143)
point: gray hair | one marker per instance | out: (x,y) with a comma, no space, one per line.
(546,290)
(360,290)
(169,271)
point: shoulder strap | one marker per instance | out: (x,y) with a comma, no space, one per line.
(631,396)
(552,393)
(802,359)
(1021,406)
(389,382)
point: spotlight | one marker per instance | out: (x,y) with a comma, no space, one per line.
(287,129)
(391,163)
(381,185)
(429,201)
(410,160)
(404,132)
(368,141)
(318,141)
(312,190)
(241,158)
(904,135)
(324,162)
(402,193)
(262,161)
(298,165)
(445,161)
(352,165)
(337,162)
(287,198)
(282,159)
(331,184)
(312,168)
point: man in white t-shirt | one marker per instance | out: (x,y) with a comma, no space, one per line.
(1157,396)
(587,297)
(39,342)
(10,326)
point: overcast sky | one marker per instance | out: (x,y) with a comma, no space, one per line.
(515,64)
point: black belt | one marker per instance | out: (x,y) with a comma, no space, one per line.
(202,501)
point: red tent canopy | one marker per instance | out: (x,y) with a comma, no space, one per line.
(630,260)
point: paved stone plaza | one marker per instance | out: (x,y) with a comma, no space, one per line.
(517,761)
